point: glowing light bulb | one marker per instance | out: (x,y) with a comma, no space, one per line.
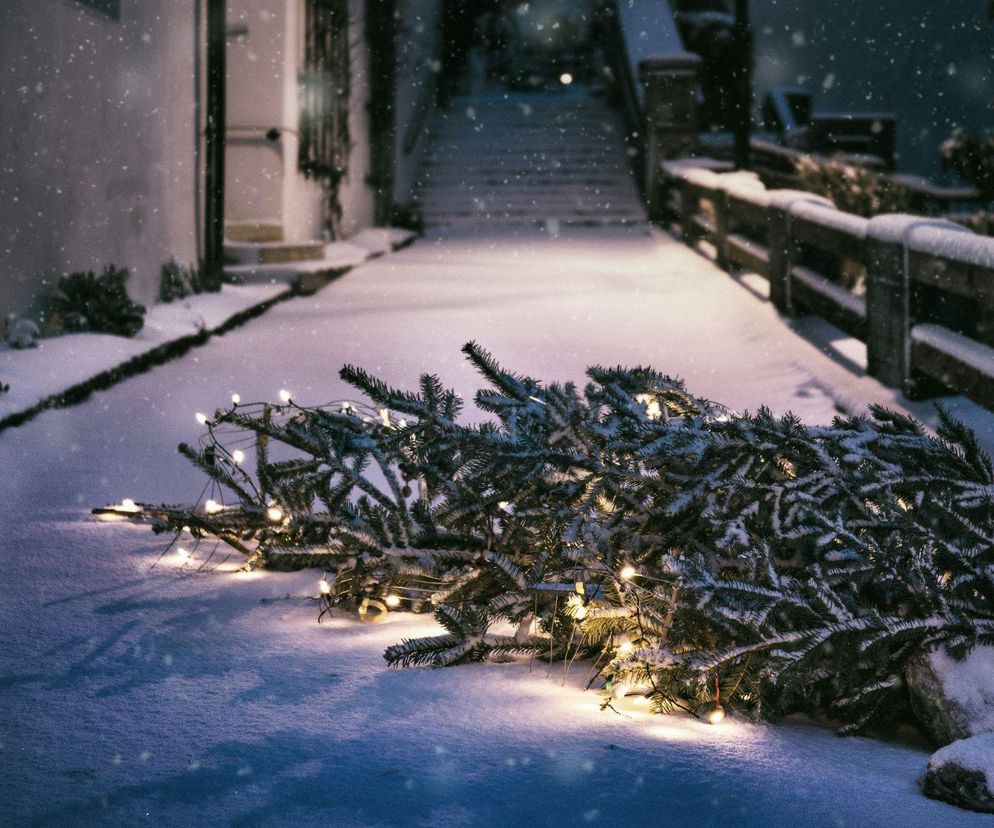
(716,715)
(284,395)
(392,601)
(238,456)
(275,514)
(628,572)
(324,587)
(201,418)
(566,79)
(236,398)
(212,507)
(625,647)
(403,423)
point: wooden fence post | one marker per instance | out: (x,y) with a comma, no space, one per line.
(720,202)
(888,300)
(784,250)
(670,84)
(688,209)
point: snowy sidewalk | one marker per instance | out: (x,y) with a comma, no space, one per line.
(130,693)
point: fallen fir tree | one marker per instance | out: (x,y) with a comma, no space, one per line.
(691,553)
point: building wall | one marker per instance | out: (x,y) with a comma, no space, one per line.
(100,161)
(262,180)
(96,125)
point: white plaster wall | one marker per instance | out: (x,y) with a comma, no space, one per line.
(418,63)
(254,167)
(356,195)
(262,180)
(97,137)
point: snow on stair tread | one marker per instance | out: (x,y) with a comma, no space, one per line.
(527,159)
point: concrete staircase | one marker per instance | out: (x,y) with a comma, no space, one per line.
(548,159)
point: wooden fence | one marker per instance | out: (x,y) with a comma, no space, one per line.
(918,291)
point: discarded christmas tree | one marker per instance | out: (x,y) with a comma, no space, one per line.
(692,553)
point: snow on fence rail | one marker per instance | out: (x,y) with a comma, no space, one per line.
(919,292)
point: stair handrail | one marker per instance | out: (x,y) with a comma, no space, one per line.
(624,86)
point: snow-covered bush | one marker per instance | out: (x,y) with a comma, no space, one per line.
(687,550)
(178,281)
(84,301)
(972,159)
(852,189)
(980,221)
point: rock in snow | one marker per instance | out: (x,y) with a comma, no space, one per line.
(963,773)
(953,699)
(21,333)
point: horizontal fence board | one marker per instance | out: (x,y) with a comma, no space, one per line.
(825,237)
(960,278)
(958,362)
(747,212)
(843,309)
(748,254)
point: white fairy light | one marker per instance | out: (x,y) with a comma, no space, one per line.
(716,715)
(324,587)
(284,395)
(566,79)
(128,505)
(628,572)
(274,513)
(212,507)
(201,418)
(625,647)
(236,398)
(238,456)
(392,601)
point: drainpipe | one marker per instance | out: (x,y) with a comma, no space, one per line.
(214,151)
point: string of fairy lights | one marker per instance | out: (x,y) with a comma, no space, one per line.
(228,442)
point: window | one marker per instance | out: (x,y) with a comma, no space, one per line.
(111,8)
(324,91)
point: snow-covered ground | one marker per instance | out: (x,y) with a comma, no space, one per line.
(130,693)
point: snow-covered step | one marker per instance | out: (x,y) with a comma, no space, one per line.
(272,252)
(253,231)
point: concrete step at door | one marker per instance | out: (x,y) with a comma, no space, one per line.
(272,252)
(253,231)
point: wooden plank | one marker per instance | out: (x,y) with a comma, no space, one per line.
(815,293)
(824,237)
(748,254)
(961,278)
(704,229)
(747,212)
(956,361)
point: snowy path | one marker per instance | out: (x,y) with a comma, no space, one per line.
(130,694)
